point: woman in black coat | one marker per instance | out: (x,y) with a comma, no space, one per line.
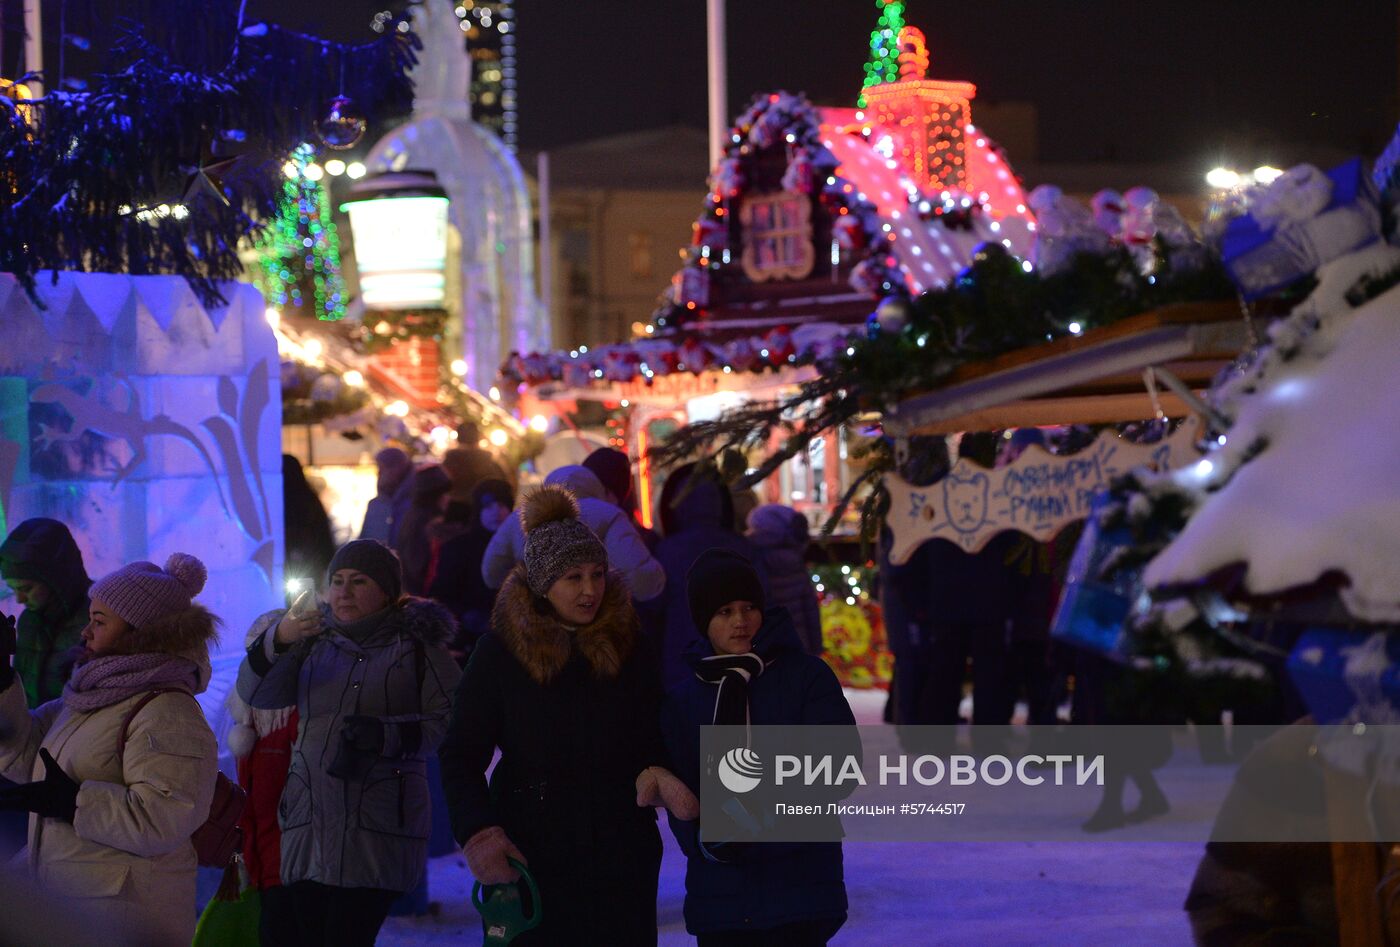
(560,687)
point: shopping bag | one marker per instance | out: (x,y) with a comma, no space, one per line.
(229,923)
(1093,610)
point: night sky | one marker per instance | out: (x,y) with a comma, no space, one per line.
(1203,80)
(1111,78)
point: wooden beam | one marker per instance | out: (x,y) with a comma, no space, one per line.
(1040,412)
(1099,362)
(1180,314)
(1355,865)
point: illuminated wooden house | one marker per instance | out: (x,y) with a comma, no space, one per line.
(812,217)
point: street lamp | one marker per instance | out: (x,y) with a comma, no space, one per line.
(1223,178)
(399,222)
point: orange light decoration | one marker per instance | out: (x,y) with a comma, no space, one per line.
(644,472)
(913,53)
(927,116)
(20,94)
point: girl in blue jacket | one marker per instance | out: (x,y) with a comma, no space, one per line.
(749,667)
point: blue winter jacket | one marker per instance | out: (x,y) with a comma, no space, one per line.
(772,883)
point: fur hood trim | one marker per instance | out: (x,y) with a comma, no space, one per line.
(542,644)
(179,633)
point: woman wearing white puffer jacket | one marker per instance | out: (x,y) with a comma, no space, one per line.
(111,829)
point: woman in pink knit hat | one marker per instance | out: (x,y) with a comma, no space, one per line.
(110,828)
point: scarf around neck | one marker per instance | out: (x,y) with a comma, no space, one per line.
(733,673)
(361,628)
(111,679)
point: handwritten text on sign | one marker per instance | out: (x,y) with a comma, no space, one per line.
(1039,494)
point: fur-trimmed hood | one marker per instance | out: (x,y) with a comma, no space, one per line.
(542,643)
(176,633)
(185,634)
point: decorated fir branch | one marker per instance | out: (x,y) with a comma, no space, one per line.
(995,307)
(173,155)
(312,396)
(391,326)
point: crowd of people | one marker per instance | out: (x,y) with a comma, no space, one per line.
(458,629)
(556,636)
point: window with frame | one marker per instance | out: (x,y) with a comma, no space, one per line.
(777,236)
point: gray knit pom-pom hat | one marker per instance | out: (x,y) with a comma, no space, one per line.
(556,540)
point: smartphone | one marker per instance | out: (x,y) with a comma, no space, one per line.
(304,604)
(298,589)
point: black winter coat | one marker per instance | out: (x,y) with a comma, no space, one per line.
(575,716)
(458,584)
(772,883)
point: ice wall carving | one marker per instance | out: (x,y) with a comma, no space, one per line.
(149,425)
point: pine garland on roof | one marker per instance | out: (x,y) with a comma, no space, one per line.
(995,306)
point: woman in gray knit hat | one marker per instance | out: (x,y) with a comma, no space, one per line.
(560,685)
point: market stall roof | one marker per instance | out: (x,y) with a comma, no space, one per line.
(925,235)
(930,252)
(1305,484)
(1092,378)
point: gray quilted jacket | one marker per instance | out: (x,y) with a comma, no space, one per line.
(370,832)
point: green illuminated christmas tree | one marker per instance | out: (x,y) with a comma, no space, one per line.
(302,252)
(884,47)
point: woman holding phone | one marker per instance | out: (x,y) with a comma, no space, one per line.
(371,677)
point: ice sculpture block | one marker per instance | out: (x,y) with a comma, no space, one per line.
(149,424)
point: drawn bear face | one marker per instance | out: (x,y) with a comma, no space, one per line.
(965,500)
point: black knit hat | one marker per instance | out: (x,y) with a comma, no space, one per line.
(497,491)
(718,578)
(375,560)
(614,472)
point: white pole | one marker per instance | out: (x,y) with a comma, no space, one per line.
(33,45)
(546,250)
(719,94)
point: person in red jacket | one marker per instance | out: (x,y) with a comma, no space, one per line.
(261,741)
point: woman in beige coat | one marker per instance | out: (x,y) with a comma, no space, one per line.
(109,831)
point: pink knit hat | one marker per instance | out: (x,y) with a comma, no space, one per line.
(143,593)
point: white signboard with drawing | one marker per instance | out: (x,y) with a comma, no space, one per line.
(1038,494)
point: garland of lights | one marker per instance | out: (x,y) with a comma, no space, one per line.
(303,244)
(883,65)
(390,326)
(786,122)
(995,306)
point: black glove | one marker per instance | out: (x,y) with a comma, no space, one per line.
(361,744)
(7,651)
(365,734)
(53,797)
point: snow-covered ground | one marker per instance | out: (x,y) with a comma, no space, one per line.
(1015,893)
